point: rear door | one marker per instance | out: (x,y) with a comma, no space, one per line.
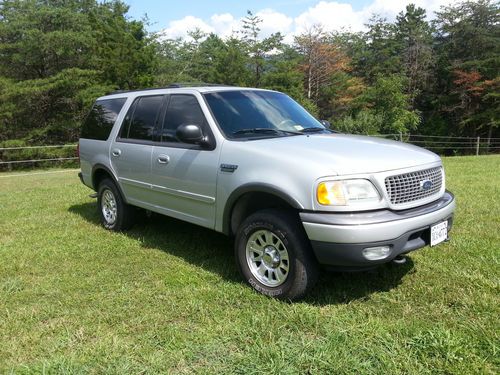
(184,176)
(130,153)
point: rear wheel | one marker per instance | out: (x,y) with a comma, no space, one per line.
(274,255)
(115,214)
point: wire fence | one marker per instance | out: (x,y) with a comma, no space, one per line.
(43,156)
(449,145)
(36,157)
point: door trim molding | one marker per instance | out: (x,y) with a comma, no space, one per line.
(183,194)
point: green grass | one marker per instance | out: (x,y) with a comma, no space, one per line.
(166,297)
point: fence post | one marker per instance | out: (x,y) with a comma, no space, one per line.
(400,136)
(477,146)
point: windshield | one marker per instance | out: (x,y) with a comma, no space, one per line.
(259,114)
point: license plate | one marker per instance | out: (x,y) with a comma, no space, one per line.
(439,233)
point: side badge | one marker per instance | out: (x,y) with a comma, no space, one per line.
(228,168)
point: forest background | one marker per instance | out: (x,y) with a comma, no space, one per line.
(410,76)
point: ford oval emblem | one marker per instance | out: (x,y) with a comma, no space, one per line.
(426,184)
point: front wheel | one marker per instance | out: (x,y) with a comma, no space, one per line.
(274,255)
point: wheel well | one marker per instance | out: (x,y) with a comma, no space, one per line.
(99,175)
(252,202)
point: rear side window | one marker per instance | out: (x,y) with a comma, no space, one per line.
(142,118)
(101,118)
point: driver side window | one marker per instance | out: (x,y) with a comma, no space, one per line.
(182,110)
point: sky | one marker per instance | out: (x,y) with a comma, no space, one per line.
(290,17)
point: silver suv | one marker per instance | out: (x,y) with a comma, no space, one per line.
(255,165)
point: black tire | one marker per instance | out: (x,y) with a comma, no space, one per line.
(302,266)
(124,215)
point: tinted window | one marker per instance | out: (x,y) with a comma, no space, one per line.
(101,118)
(182,110)
(144,113)
(238,110)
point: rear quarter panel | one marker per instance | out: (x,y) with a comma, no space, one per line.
(93,152)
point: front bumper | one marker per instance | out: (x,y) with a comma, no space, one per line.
(338,239)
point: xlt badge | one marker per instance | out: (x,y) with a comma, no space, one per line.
(228,168)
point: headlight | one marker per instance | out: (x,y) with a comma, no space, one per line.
(346,192)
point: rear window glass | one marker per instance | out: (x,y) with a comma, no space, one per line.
(144,114)
(101,118)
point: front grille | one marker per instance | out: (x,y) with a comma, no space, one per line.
(408,187)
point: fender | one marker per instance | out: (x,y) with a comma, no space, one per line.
(253,188)
(97,167)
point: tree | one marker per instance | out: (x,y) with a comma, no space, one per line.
(283,75)
(365,121)
(56,57)
(38,40)
(169,61)
(192,63)
(231,66)
(258,49)
(389,101)
(441,77)
(468,49)
(414,36)
(382,108)
(122,49)
(203,58)
(345,96)
(380,54)
(223,61)
(321,59)
(468,35)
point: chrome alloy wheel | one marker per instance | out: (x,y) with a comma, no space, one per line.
(267,258)
(108,206)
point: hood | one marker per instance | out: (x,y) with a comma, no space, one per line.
(344,154)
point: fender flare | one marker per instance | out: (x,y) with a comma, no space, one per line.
(98,167)
(253,188)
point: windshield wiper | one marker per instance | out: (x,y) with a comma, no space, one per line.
(264,131)
(313,130)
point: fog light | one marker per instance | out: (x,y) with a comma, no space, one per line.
(376,253)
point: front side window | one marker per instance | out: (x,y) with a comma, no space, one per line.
(247,113)
(141,120)
(101,118)
(182,110)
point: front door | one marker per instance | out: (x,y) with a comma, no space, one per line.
(184,176)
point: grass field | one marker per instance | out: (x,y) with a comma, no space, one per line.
(166,297)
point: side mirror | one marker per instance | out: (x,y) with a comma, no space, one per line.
(190,134)
(325,123)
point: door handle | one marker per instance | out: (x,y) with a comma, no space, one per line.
(116,152)
(163,159)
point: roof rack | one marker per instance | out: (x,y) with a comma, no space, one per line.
(125,91)
(195,84)
(172,86)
